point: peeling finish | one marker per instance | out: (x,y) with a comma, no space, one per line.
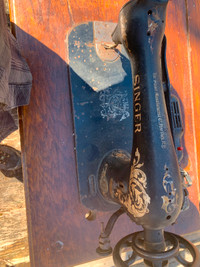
(153,22)
(103,40)
(152,25)
(89,56)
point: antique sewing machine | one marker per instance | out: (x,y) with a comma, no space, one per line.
(135,168)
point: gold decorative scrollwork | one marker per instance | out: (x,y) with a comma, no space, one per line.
(136,200)
(170,199)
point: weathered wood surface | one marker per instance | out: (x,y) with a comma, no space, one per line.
(13,225)
(58,233)
(179,66)
(194,55)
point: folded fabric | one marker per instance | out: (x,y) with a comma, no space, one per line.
(15,78)
(8,121)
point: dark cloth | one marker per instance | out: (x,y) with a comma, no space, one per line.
(8,122)
(15,78)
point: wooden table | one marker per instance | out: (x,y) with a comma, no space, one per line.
(59,235)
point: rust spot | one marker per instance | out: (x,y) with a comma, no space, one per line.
(89,44)
(105,54)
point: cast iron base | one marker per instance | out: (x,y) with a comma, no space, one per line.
(175,246)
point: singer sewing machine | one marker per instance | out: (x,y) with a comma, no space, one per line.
(71,54)
(131,159)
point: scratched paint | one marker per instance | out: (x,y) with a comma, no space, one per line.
(114,105)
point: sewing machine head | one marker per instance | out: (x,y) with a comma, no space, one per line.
(153,196)
(143,180)
(150,189)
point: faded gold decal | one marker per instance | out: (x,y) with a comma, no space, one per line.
(137,199)
(161,124)
(137,105)
(170,199)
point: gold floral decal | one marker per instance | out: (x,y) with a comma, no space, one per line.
(136,200)
(169,200)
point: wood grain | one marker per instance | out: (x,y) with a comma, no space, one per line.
(194,43)
(58,233)
(179,72)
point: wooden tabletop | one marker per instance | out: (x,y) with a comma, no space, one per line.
(59,235)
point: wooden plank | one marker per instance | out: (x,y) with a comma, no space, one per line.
(194,54)
(59,235)
(179,72)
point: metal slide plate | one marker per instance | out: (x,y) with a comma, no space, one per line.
(102,99)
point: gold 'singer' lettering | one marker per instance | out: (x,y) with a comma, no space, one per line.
(137,105)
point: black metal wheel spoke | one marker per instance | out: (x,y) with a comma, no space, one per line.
(181,260)
(123,243)
(184,244)
(131,260)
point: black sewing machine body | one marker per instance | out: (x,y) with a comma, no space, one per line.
(154,189)
(149,184)
(154,116)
